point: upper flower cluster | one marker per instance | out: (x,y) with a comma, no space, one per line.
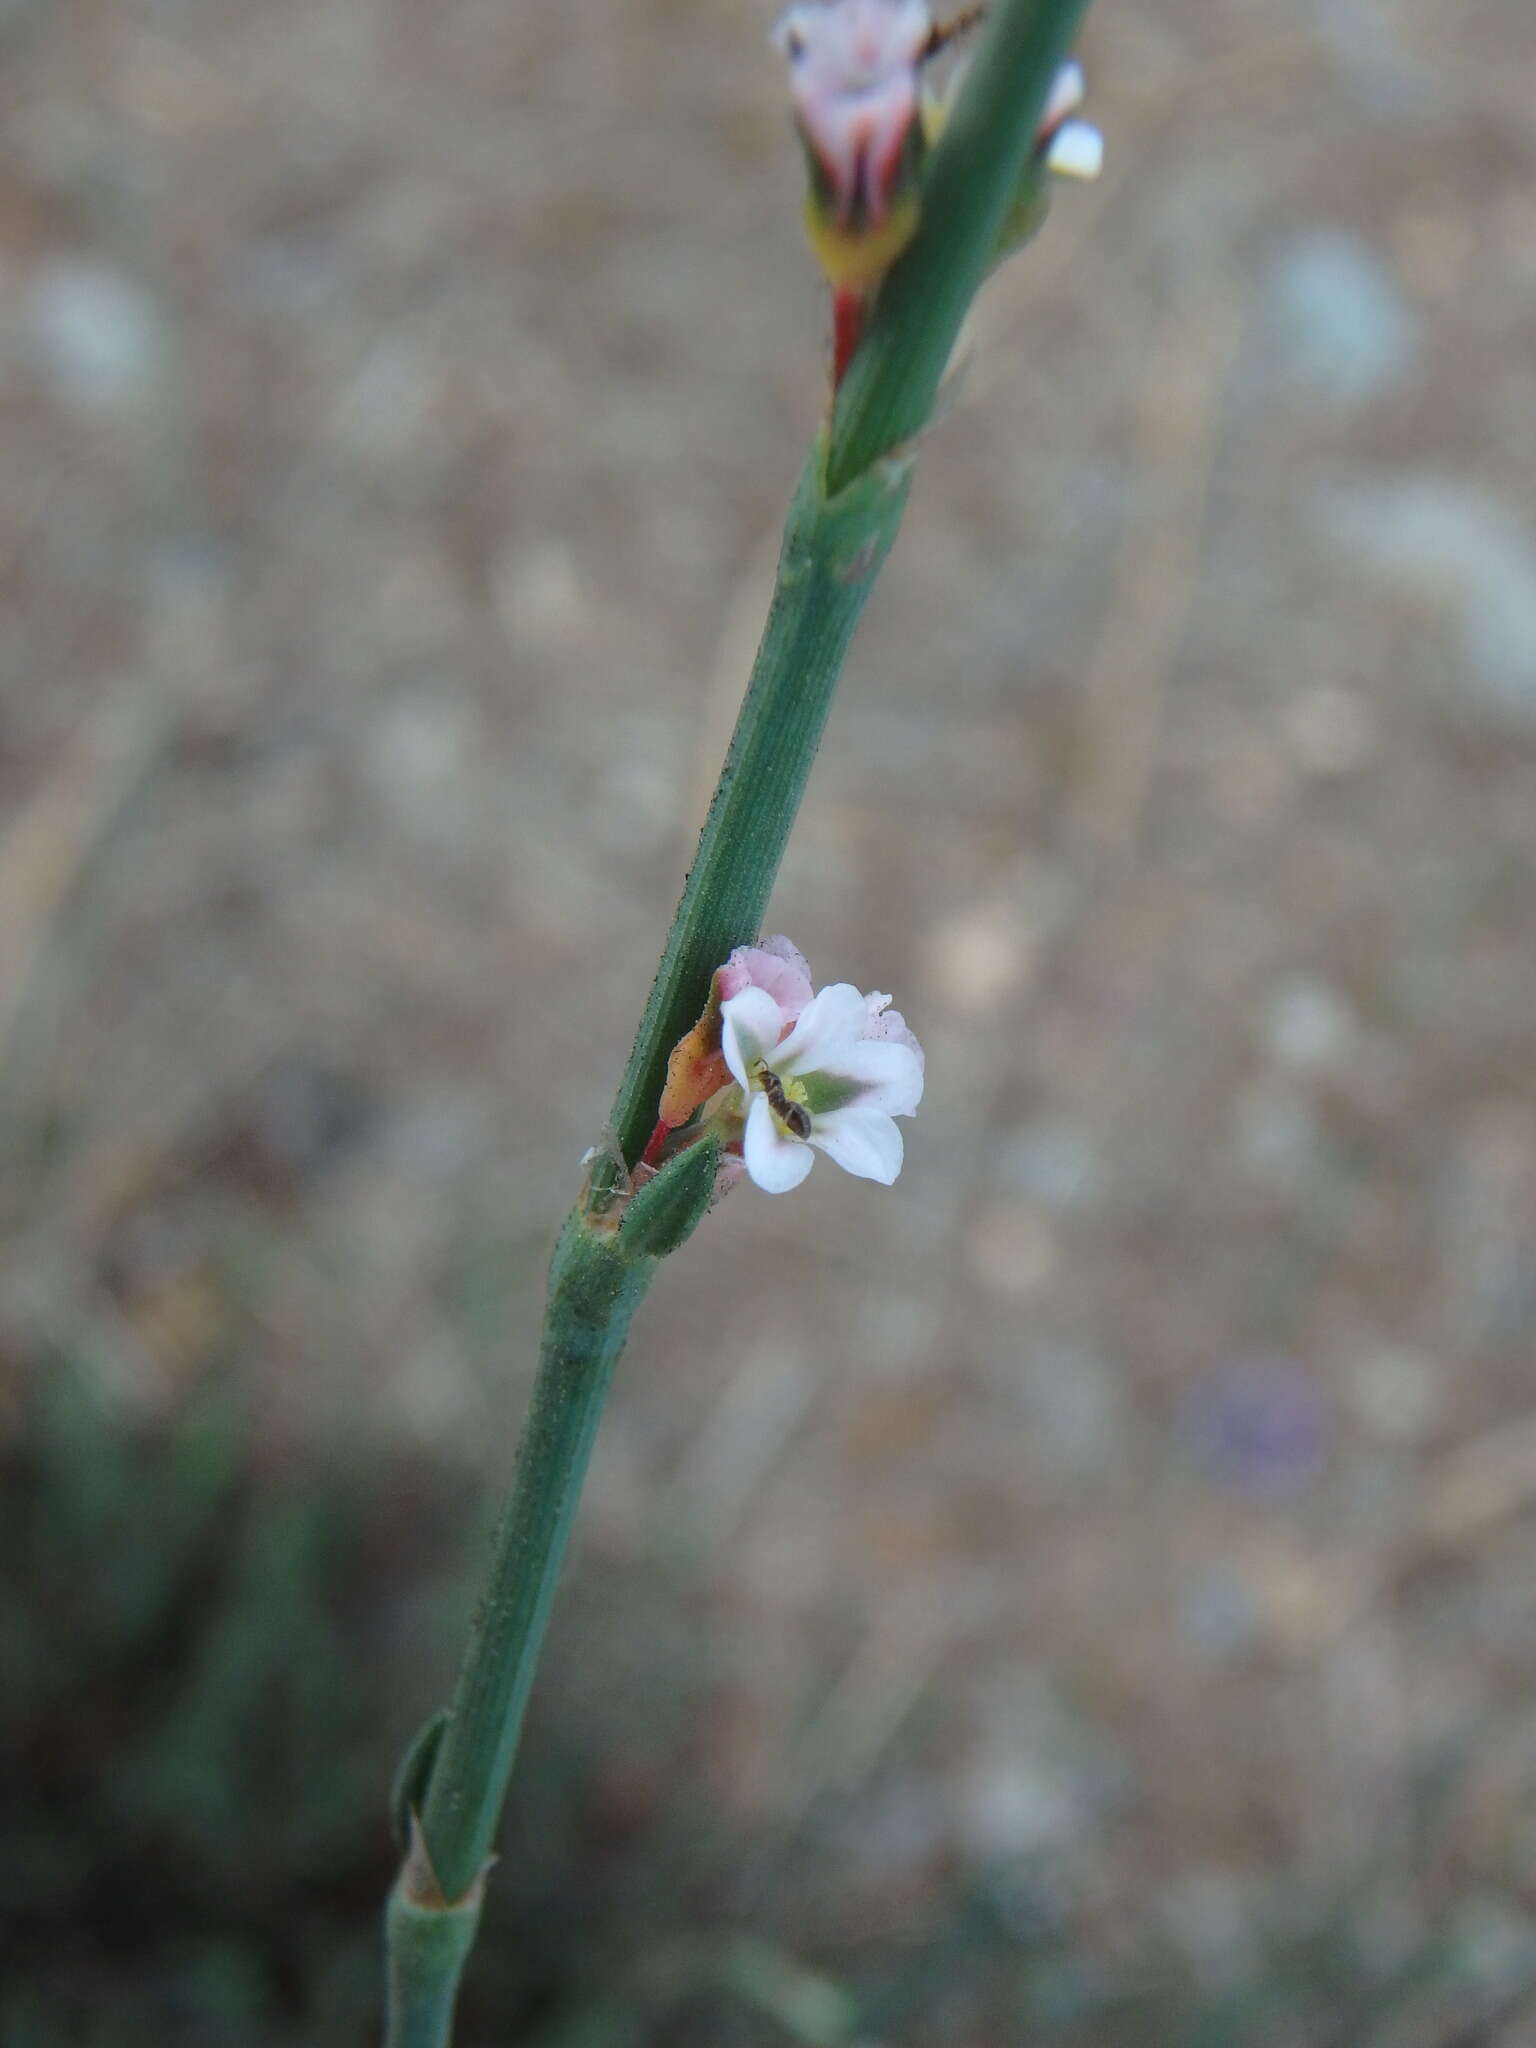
(855,72)
(853,69)
(867,117)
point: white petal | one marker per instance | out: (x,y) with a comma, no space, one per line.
(749,1027)
(1076,151)
(889,1075)
(862,1141)
(831,1022)
(887,1023)
(1066,96)
(855,115)
(775,1162)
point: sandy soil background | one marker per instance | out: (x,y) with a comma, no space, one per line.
(1106,1561)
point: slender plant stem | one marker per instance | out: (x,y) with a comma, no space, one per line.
(427,1949)
(842,522)
(594,1290)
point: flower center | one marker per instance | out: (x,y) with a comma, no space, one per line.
(786,1099)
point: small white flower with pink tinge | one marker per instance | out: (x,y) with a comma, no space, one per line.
(817,1073)
(854,71)
(1073,149)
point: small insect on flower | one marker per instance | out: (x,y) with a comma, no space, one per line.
(794,1116)
(828,1072)
(867,121)
(777,1071)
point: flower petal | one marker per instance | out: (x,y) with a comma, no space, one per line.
(829,1025)
(750,1024)
(1065,97)
(775,1162)
(888,1076)
(853,80)
(1076,150)
(885,1022)
(862,1141)
(791,987)
(775,965)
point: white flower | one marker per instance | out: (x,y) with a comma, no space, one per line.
(830,1079)
(1072,149)
(853,69)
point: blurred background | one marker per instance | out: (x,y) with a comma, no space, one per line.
(1085,1595)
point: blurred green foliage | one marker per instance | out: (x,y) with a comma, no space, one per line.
(190,1754)
(209,1667)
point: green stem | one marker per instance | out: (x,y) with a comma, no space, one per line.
(594,1290)
(428,1945)
(841,525)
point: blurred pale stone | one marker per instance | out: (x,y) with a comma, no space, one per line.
(1308,1026)
(979,956)
(1340,325)
(1039,1775)
(419,749)
(1218,1614)
(1076,1405)
(1304,1599)
(1398,1396)
(1277,1135)
(539,596)
(434,1397)
(1019,1808)
(1050,1163)
(384,409)
(1329,730)
(97,333)
(1450,546)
